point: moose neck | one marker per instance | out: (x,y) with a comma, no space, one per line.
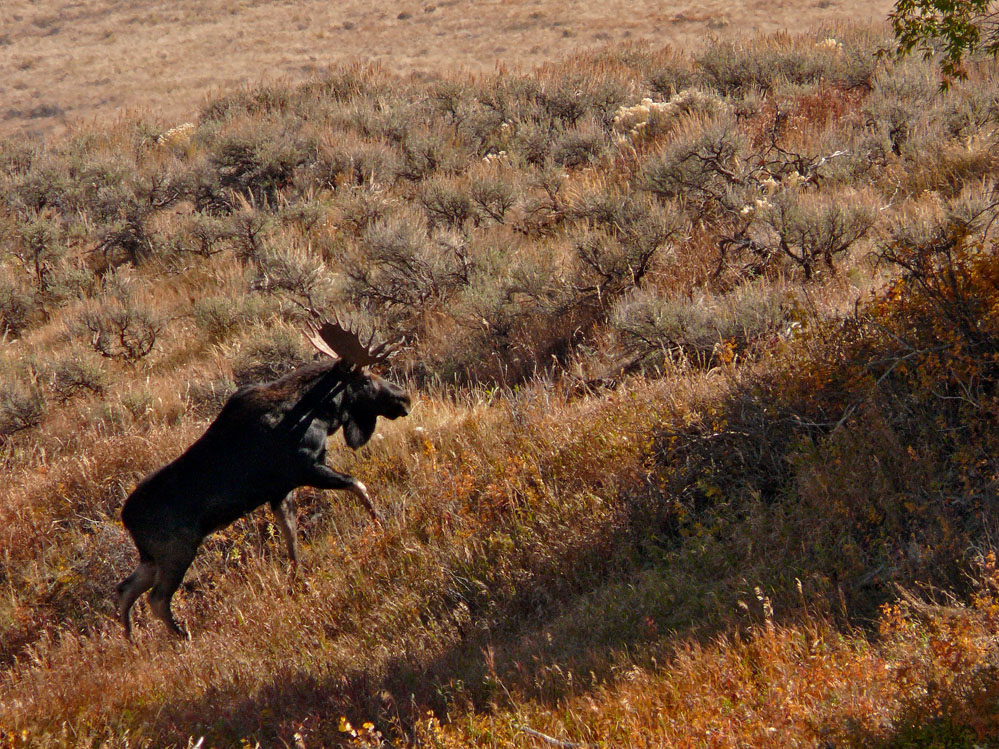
(328,385)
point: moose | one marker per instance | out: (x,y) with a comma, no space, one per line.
(268,440)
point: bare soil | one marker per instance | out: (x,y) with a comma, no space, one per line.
(66,62)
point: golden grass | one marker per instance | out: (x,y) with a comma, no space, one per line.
(694,548)
(64,65)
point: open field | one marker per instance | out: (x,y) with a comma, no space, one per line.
(65,61)
(705,352)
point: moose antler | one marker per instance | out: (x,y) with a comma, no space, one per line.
(336,340)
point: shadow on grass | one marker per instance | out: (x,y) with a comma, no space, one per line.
(757,497)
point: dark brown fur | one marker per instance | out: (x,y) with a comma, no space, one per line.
(268,440)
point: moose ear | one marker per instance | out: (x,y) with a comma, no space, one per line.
(359,427)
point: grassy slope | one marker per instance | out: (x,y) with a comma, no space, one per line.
(699,548)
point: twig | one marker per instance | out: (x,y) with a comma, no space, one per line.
(551,739)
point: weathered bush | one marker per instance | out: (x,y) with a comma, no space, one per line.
(73,375)
(296,273)
(405,272)
(22,406)
(16,309)
(266,357)
(699,166)
(704,330)
(258,166)
(120,330)
(933,223)
(649,120)
(39,248)
(948,278)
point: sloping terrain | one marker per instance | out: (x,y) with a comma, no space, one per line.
(705,349)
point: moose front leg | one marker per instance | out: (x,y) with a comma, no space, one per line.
(284,516)
(325,477)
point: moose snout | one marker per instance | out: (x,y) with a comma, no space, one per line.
(395,402)
(403,406)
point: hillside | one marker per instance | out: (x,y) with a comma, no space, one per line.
(65,62)
(705,351)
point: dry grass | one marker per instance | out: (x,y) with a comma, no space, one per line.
(697,402)
(62,62)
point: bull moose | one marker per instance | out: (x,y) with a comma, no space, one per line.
(268,440)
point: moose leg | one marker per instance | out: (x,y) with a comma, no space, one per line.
(324,477)
(170,576)
(284,516)
(131,588)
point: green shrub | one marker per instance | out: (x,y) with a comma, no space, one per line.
(74,281)
(206,235)
(492,196)
(39,247)
(205,398)
(424,151)
(810,230)
(609,263)
(248,230)
(355,162)
(567,100)
(971,108)
(731,67)
(45,184)
(221,318)
(532,143)
(360,209)
(125,239)
(259,101)
(583,144)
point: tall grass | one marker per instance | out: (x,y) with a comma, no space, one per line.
(704,355)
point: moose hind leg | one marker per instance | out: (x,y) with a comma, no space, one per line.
(284,516)
(170,576)
(130,589)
